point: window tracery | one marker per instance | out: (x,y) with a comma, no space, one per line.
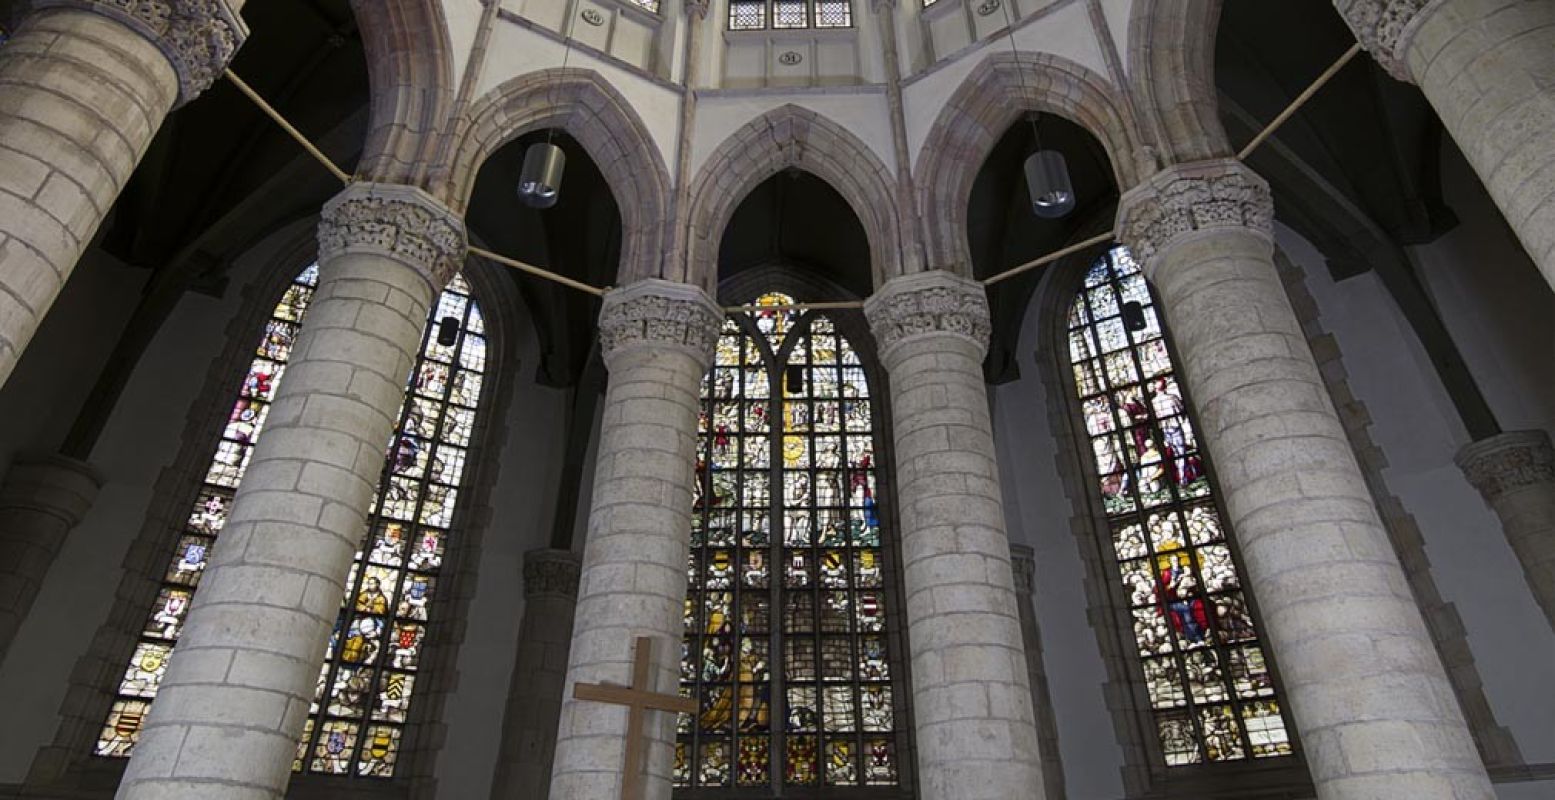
(785,630)
(755,15)
(372,664)
(1211,693)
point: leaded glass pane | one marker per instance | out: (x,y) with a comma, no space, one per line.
(790,13)
(784,629)
(833,13)
(747,15)
(1202,664)
(365,688)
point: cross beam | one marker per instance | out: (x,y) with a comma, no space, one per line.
(639,698)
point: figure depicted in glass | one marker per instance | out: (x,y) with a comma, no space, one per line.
(375,652)
(1211,692)
(785,644)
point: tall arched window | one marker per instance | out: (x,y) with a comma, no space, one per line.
(365,689)
(786,636)
(1211,693)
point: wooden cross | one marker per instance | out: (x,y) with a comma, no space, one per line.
(638,698)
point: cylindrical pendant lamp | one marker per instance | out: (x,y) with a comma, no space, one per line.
(540,181)
(1047,178)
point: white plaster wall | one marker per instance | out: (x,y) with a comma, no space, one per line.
(861,110)
(516,50)
(1038,513)
(1118,13)
(464,19)
(523,501)
(140,440)
(1416,426)
(1496,303)
(1062,30)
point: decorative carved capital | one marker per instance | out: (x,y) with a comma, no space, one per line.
(199,37)
(1508,461)
(398,222)
(1187,198)
(51,484)
(1024,564)
(551,572)
(1385,28)
(696,9)
(928,303)
(659,313)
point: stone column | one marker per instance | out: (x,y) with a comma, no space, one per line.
(42,499)
(1368,693)
(539,672)
(1023,561)
(84,85)
(1486,67)
(231,708)
(657,339)
(971,698)
(1515,472)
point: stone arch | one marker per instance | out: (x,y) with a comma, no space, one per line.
(791,136)
(411,73)
(1171,58)
(588,108)
(996,93)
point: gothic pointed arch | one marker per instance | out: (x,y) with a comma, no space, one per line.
(997,92)
(1171,55)
(588,108)
(411,71)
(792,137)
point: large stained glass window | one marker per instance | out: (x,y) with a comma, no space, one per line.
(374,655)
(786,643)
(1211,693)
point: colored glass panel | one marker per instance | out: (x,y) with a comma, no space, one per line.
(784,641)
(1199,648)
(365,688)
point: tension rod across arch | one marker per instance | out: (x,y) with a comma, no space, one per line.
(1247,149)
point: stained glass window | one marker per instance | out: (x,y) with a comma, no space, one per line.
(374,655)
(785,629)
(750,15)
(1210,689)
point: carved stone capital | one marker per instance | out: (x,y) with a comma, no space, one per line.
(398,222)
(1385,28)
(660,314)
(928,303)
(1023,563)
(1187,198)
(199,37)
(551,572)
(696,9)
(1508,461)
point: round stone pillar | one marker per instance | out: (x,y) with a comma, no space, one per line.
(86,84)
(231,708)
(1486,67)
(1515,473)
(1371,699)
(970,681)
(42,499)
(539,672)
(657,340)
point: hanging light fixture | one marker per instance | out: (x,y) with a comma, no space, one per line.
(540,179)
(1047,180)
(1047,173)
